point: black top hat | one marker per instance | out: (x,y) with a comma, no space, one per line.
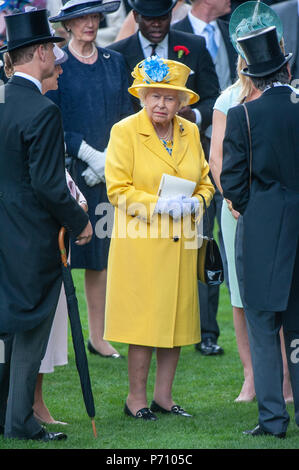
(152,8)
(262,52)
(26,29)
(76,8)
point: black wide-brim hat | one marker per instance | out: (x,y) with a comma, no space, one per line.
(27,29)
(76,8)
(262,52)
(152,8)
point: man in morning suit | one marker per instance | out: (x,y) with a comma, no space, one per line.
(264,188)
(289,15)
(203,15)
(34,204)
(203,20)
(155,37)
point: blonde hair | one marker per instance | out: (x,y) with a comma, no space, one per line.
(243,82)
(183,97)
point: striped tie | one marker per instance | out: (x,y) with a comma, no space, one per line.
(153,46)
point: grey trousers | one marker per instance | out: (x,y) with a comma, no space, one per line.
(263,332)
(23,354)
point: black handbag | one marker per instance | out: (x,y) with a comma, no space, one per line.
(209,261)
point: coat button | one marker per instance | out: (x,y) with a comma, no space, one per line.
(176,239)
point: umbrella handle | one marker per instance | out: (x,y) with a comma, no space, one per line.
(94,428)
(61,244)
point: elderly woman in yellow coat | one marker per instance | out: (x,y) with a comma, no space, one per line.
(152,296)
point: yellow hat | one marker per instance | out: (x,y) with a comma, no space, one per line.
(155,72)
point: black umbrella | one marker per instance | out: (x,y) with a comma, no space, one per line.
(76,329)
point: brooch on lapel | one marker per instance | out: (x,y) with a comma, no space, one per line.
(181,127)
(106,55)
(181,50)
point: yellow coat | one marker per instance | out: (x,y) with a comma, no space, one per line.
(152,294)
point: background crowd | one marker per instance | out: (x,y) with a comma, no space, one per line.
(101,50)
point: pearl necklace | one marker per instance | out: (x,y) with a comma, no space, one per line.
(80,55)
(167,135)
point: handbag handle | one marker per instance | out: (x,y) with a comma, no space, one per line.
(250,144)
(208,218)
(210,235)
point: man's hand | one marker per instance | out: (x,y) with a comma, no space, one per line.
(85,236)
(84,206)
(187,113)
(234,213)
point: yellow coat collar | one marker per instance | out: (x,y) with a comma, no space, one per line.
(150,139)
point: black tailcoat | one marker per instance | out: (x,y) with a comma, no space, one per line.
(203,79)
(270,207)
(34,203)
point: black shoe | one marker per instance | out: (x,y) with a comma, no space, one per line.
(144,413)
(92,350)
(258,431)
(175,410)
(46,436)
(208,348)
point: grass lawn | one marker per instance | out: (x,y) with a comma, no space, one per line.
(205,386)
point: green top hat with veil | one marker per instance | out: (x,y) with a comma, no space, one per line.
(250,17)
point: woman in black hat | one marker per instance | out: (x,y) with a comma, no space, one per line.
(92,96)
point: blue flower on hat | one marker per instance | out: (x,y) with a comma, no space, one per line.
(155,69)
(3,4)
(13,4)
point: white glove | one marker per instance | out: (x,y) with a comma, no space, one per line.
(91,178)
(176,207)
(195,204)
(93,158)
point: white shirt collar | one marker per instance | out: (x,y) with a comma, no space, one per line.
(276,84)
(161,50)
(29,77)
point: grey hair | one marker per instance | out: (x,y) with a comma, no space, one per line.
(183,96)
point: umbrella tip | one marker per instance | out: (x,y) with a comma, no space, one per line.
(94,428)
